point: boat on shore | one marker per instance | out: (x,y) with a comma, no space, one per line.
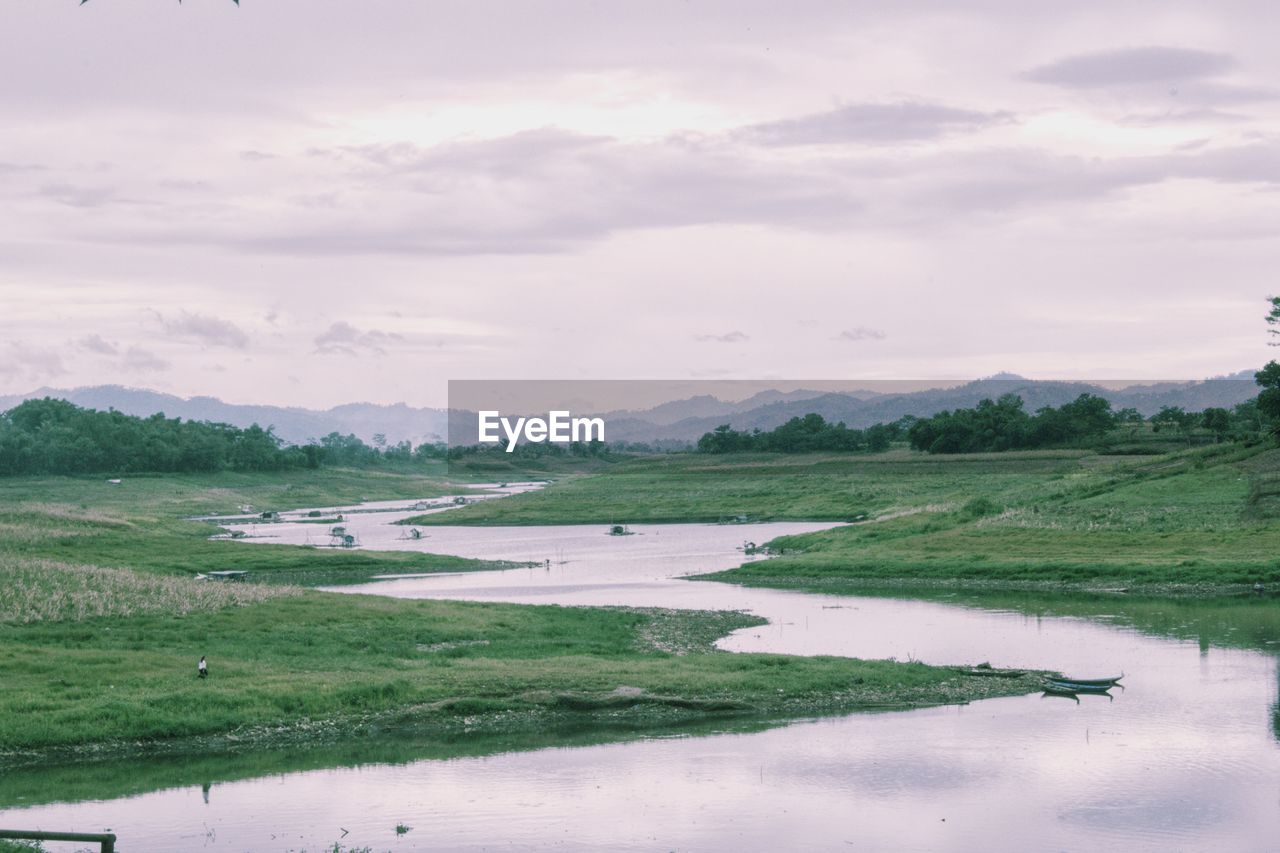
(1081,685)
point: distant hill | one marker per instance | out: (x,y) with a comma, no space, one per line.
(295,425)
(861,412)
(707,406)
(673,423)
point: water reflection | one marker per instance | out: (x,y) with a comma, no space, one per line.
(108,780)
(1275,712)
(1244,621)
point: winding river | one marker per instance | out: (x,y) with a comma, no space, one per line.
(1185,757)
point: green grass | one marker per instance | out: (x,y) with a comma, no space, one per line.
(208,494)
(142,525)
(1180,521)
(695,487)
(292,662)
(1194,518)
(101,626)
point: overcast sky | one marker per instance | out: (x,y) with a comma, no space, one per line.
(312,202)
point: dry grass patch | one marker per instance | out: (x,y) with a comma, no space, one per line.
(45,590)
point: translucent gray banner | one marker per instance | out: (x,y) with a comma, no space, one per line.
(513,416)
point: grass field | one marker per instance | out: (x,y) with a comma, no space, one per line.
(765,487)
(1181,522)
(141,525)
(1195,518)
(297,665)
(101,623)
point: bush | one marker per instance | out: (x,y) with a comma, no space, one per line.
(980,508)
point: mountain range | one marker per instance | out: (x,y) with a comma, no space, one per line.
(862,411)
(676,422)
(398,422)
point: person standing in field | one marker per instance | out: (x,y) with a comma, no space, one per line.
(202,668)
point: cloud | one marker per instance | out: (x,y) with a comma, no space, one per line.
(733,144)
(734,337)
(513,155)
(860,333)
(1130,66)
(134,359)
(207,330)
(535,192)
(878,124)
(1225,94)
(138,360)
(14,168)
(553,191)
(96,343)
(28,361)
(73,195)
(1180,116)
(343,338)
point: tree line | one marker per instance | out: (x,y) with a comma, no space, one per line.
(806,434)
(50,436)
(1004,424)
(1087,421)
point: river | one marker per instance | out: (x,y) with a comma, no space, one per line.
(1184,757)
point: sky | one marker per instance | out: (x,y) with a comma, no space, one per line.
(312,202)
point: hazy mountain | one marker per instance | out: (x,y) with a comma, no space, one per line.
(707,406)
(862,413)
(672,423)
(1239,374)
(398,422)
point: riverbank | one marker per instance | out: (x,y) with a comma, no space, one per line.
(1200,521)
(730,488)
(101,623)
(916,586)
(309,667)
(144,524)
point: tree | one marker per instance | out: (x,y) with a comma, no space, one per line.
(1087,416)
(1217,421)
(879,437)
(722,439)
(1174,418)
(1273,319)
(51,436)
(1269,399)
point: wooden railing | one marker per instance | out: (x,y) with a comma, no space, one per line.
(105,840)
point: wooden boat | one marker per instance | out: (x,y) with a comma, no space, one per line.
(1082,685)
(1092,682)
